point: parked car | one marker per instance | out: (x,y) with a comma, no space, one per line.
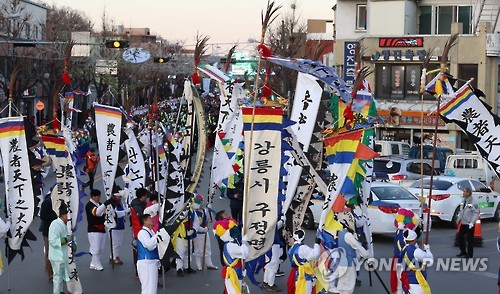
(470,165)
(447,194)
(442,154)
(383,205)
(392,148)
(400,171)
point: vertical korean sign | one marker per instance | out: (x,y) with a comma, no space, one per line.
(137,168)
(108,122)
(263,148)
(349,65)
(18,189)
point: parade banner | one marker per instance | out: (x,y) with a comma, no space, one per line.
(161,183)
(228,131)
(108,128)
(475,118)
(20,202)
(318,70)
(66,178)
(305,108)
(262,176)
(187,133)
(136,165)
(67,191)
(174,195)
(341,151)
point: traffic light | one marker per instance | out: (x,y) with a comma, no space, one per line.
(161,59)
(116,44)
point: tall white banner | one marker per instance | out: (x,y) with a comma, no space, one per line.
(108,128)
(262,176)
(136,177)
(305,108)
(20,202)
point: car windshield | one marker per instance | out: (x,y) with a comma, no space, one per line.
(390,167)
(392,193)
(436,184)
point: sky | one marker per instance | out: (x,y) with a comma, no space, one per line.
(225,21)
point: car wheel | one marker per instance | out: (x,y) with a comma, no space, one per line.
(496,217)
(308,222)
(454,219)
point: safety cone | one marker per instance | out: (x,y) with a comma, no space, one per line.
(478,234)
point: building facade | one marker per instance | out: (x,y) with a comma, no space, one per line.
(22,20)
(396,35)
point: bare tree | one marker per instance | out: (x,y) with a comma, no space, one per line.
(61,21)
(286,38)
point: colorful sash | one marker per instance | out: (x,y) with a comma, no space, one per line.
(426,289)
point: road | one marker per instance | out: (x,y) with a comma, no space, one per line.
(28,276)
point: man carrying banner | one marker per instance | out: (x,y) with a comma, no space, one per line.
(47,216)
(148,259)
(233,254)
(58,249)
(183,235)
(121,212)
(202,240)
(272,267)
(301,278)
(415,260)
(350,247)
(95,228)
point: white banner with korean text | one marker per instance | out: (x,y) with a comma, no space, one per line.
(262,175)
(108,129)
(136,167)
(20,202)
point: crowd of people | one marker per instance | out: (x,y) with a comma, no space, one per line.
(191,238)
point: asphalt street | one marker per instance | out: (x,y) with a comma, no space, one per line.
(28,276)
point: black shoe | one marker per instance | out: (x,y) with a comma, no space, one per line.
(180,273)
(190,271)
(279,274)
(462,254)
(358,283)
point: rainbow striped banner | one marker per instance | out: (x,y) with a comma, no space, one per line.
(55,145)
(476,119)
(262,162)
(12,129)
(107,111)
(461,97)
(18,187)
(108,120)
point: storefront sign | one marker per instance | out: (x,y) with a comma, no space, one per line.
(401,42)
(349,64)
(400,55)
(408,118)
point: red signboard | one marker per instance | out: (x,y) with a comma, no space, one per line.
(401,42)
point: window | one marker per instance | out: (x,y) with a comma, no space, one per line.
(438,19)
(425,20)
(36,32)
(478,187)
(28,31)
(361,17)
(444,18)
(463,184)
(395,81)
(468,71)
(395,149)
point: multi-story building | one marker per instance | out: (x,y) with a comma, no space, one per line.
(22,20)
(396,34)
